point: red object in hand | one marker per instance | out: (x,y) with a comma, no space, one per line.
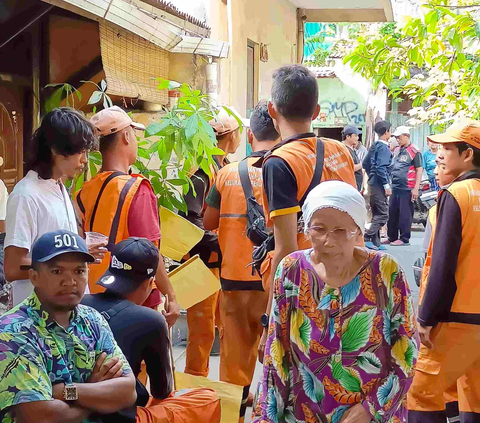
(154,299)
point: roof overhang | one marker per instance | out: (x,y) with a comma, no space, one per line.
(155,25)
(345,10)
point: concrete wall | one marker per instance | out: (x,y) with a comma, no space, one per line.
(188,68)
(340,104)
(269,22)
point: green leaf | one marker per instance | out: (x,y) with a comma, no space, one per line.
(179,204)
(79,181)
(54,100)
(103,85)
(163,85)
(215,151)
(358,330)
(191,126)
(93,169)
(95,97)
(231,113)
(477,29)
(157,185)
(157,127)
(143,153)
(79,95)
(178,182)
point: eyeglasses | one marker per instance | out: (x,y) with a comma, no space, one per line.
(338,234)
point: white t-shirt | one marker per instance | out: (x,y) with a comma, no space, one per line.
(3,200)
(36,206)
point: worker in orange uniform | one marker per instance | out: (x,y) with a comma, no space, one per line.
(122,205)
(201,316)
(242,299)
(449,311)
(293,167)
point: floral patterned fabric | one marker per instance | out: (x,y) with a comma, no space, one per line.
(331,348)
(36,352)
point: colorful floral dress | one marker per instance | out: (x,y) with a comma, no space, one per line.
(331,348)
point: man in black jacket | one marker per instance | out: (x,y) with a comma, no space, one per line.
(142,334)
(376,165)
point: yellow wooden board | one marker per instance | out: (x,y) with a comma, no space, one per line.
(230,395)
(179,235)
(193,282)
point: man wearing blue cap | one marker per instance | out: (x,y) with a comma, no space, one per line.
(59,361)
(142,334)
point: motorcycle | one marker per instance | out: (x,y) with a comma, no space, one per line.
(422,204)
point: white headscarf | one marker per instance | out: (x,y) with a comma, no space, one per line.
(338,195)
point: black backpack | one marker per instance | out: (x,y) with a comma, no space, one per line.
(256,225)
(260,252)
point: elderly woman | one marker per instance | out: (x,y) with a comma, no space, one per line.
(342,338)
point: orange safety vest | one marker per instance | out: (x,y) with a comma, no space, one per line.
(103,204)
(236,248)
(301,156)
(467,195)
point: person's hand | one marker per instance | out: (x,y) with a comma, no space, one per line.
(106,370)
(425,336)
(356,414)
(98,251)
(414,194)
(262,344)
(57,391)
(171,312)
(388,192)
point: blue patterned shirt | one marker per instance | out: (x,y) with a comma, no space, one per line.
(36,352)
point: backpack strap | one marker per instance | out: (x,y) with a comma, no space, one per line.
(245,179)
(317,174)
(105,183)
(111,312)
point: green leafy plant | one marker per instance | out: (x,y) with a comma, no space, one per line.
(178,145)
(99,95)
(64,91)
(432,60)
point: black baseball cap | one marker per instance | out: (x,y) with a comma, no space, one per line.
(350,130)
(132,262)
(382,127)
(54,244)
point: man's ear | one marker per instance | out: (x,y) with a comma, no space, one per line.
(316,112)
(33,276)
(250,137)
(468,155)
(125,136)
(271,110)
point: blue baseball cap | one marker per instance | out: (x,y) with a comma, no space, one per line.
(54,244)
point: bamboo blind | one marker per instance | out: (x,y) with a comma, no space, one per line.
(132,63)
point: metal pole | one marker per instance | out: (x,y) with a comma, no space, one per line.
(27,25)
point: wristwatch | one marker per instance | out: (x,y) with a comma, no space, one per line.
(70,392)
(264,320)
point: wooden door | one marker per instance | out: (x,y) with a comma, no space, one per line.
(11,134)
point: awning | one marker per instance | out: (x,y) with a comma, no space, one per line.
(143,20)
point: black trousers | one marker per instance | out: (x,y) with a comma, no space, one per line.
(400,216)
(379,206)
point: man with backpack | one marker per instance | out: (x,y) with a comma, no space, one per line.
(293,167)
(237,213)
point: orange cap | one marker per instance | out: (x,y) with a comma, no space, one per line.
(113,119)
(224,124)
(465,130)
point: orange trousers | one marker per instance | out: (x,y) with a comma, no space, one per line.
(201,334)
(455,357)
(240,332)
(189,406)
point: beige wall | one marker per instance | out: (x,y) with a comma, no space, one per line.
(189,69)
(272,23)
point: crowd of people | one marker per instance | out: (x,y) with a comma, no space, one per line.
(329,315)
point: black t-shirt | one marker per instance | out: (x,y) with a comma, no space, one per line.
(142,335)
(358,173)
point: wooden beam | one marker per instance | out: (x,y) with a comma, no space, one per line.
(345,15)
(87,72)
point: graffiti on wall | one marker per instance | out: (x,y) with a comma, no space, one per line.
(349,110)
